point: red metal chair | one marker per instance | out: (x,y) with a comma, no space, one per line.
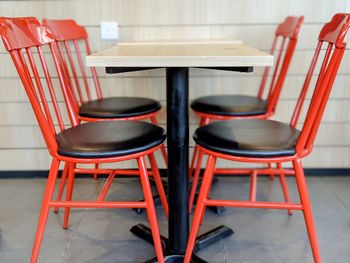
(267,141)
(231,107)
(70,37)
(88,143)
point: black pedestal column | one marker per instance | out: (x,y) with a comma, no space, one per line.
(177,136)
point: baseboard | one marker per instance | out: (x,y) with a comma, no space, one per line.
(44,173)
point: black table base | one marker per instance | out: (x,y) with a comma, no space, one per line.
(177,83)
(202,241)
(177,259)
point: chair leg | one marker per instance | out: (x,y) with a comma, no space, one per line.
(158,182)
(253,185)
(95,176)
(272,176)
(61,186)
(200,207)
(50,187)
(106,187)
(194,158)
(151,212)
(305,201)
(195,179)
(162,148)
(284,187)
(164,154)
(204,211)
(203,121)
(69,193)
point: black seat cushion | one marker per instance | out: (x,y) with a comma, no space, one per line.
(249,138)
(230,105)
(109,139)
(118,107)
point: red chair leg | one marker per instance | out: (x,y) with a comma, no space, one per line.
(158,182)
(162,148)
(69,193)
(200,207)
(61,186)
(106,187)
(194,157)
(253,185)
(195,179)
(50,187)
(272,176)
(151,212)
(203,121)
(204,211)
(164,154)
(284,187)
(95,176)
(305,201)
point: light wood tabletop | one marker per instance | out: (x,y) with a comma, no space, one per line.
(182,42)
(180,54)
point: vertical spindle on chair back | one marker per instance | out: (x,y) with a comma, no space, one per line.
(69,36)
(25,40)
(332,34)
(287,34)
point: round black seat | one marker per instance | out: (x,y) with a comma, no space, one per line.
(109,139)
(248,138)
(230,105)
(118,107)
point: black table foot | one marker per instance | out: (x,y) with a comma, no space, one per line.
(156,198)
(212,236)
(144,232)
(202,242)
(216,209)
(178,259)
(215,181)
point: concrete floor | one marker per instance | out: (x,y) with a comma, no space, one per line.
(261,236)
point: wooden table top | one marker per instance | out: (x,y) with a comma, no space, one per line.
(180,54)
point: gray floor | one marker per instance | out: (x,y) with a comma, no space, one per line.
(103,235)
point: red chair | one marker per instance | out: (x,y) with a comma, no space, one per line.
(267,141)
(88,143)
(231,107)
(69,35)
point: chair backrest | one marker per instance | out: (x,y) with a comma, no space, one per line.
(287,34)
(26,40)
(69,36)
(332,35)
